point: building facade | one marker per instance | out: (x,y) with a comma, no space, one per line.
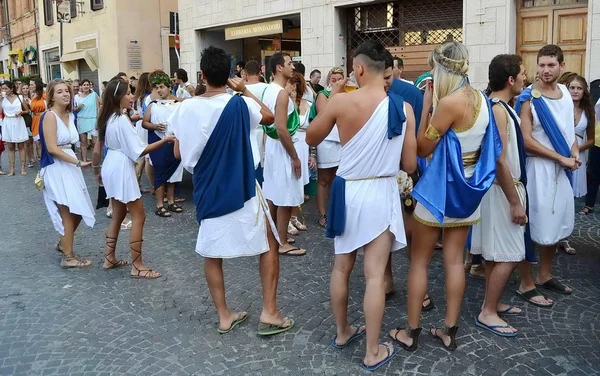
(323,33)
(18,38)
(103,38)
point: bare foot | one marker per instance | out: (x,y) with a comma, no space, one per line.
(23,172)
(276,319)
(401,336)
(494,320)
(384,350)
(11,173)
(538,299)
(290,250)
(226,322)
(142,271)
(501,307)
(341,339)
(74,262)
(113,262)
(437,332)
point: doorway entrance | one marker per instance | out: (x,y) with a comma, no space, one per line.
(560,22)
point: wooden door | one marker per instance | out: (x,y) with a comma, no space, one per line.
(561,25)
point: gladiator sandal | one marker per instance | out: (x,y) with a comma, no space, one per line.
(141,274)
(450,332)
(111,243)
(413,333)
(81,262)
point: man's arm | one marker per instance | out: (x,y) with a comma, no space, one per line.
(322,125)
(442,119)
(281,124)
(146,124)
(408,161)
(534,147)
(503,174)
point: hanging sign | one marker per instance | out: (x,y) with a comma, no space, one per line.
(254,30)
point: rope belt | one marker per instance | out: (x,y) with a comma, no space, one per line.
(371,178)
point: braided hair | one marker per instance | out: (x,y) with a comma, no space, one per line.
(450,63)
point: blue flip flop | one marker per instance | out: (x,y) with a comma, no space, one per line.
(492,328)
(507,312)
(384,361)
(357,333)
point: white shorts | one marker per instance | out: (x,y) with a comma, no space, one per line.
(328,154)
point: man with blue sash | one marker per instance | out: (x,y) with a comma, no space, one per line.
(233,215)
(501,236)
(282,171)
(546,111)
(377,134)
(167,168)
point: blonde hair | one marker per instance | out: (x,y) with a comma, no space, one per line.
(450,63)
(335,70)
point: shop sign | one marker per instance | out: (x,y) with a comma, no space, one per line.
(134,55)
(254,30)
(85,44)
(297,59)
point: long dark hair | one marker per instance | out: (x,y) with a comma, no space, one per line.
(586,103)
(144,87)
(10,85)
(111,104)
(39,88)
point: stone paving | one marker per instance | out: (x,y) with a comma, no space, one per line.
(96,322)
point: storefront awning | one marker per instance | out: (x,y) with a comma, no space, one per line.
(69,60)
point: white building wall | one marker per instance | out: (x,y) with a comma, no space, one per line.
(593,43)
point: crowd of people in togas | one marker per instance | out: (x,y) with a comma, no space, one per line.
(402,166)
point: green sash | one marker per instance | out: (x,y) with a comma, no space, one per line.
(293,123)
(313,109)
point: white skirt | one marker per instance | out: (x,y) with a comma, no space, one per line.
(328,154)
(118,177)
(14,130)
(496,237)
(280,185)
(177,175)
(551,202)
(580,175)
(303,151)
(64,185)
(422,215)
(237,234)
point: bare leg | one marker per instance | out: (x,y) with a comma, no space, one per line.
(340,276)
(376,257)
(159,194)
(138,217)
(324,179)
(284,213)
(38,148)
(29,146)
(22,157)
(213,270)
(11,159)
(83,147)
(454,243)
(119,211)
(497,275)
(170,193)
(527,283)
(139,169)
(70,224)
(150,175)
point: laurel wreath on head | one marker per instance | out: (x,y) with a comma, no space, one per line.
(161,79)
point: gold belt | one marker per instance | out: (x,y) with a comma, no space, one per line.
(470,159)
(515,182)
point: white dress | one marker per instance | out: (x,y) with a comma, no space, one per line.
(580,175)
(496,237)
(281,186)
(118,169)
(551,202)
(302,147)
(370,163)
(161,111)
(470,138)
(243,232)
(328,151)
(63,181)
(14,129)
(258,134)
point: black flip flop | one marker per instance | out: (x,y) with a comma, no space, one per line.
(528,295)
(555,286)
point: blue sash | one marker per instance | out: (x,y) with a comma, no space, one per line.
(548,122)
(224,177)
(529,248)
(443,189)
(46,158)
(336,219)
(163,159)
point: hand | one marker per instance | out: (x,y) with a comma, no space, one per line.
(236,84)
(428,96)
(312,163)
(297,167)
(517,213)
(577,158)
(570,163)
(98,176)
(161,127)
(81,105)
(170,139)
(338,87)
(85,164)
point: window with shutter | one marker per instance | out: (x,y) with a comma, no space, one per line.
(48,13)
(97,4)
(73,9)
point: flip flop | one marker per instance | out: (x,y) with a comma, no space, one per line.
(234,324)
(507,312)
(553,285)
(492,328)
(384,361)
(287,253)
(428,307)
(528,295)
(357,334)
(270,330)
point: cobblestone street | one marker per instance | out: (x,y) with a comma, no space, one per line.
(95,322)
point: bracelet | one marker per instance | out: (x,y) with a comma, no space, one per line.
(431,133)
(96,166)
(78,164)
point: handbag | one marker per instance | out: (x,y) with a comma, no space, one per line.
(39,182)
(27,117)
